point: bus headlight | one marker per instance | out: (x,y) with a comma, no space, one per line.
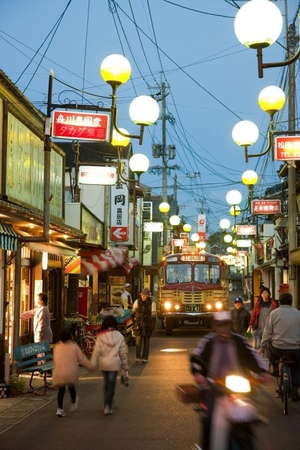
(177,307)
(209,306)
(167,305)
(219,305)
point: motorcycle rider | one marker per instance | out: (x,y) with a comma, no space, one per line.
(219,353)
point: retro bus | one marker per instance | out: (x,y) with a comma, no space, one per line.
(192,286)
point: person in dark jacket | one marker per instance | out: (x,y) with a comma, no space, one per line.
(240,317)
(262,308)
(219,353)
(144,317)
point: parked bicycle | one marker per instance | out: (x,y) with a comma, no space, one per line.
(284,381)
(84,338)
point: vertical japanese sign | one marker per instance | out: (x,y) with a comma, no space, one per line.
(202,227)
(119,209)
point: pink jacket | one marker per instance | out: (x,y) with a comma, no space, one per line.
(66,357)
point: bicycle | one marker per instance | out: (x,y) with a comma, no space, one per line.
(284,382)
(82,337)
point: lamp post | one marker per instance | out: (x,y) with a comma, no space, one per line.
(164,208)
(257,25)
(245,133)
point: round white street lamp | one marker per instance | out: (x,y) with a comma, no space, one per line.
(120,140)
(234,197)
(144,110)
(258,24)
(139,163)
(249,178)
(187,227)
(271,99)
(235,210)
(228,238)
(245,133)
(174,220)
(115,70)
(224,224)
(164,207)
(195,237)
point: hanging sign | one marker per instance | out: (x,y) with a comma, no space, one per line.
(81,126)
(265,207)
(287,148)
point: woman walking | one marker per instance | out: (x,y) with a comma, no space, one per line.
(66,357)
(110,354)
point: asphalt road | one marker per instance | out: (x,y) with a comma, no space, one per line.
(147,414)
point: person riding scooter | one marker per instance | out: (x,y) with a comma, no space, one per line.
(219,353)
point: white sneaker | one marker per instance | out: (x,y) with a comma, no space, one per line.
(60,412)
(74,406)
(108,410)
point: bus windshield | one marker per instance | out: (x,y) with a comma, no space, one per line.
(185,273)
(178,273)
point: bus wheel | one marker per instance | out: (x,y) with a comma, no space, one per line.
(169,327)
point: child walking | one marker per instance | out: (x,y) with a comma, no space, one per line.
(66,357)
(110,353)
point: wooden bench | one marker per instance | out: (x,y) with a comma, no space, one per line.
(35,359)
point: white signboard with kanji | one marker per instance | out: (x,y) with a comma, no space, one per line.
(119,209)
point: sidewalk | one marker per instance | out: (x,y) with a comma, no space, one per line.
(16,408)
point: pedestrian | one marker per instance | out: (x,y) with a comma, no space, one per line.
(281,337)
(110,354)
(262,308)
(41,319)
(240,317)
(126,298)
(144,318)
(67,356)
(219,353)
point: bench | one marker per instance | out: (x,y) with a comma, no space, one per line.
(35,359)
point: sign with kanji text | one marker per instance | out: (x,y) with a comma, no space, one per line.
(81,126)
(119,209)
(265,207)
(97,175)
(287,148)
(246,230)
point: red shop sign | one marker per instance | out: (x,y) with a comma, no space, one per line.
(81,126)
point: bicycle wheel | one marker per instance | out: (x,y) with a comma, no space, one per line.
(84,344)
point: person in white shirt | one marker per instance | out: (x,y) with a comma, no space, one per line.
(41,319)
(126,298)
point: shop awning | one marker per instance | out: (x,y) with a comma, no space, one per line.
(53,247)
(94,261)
(8,237)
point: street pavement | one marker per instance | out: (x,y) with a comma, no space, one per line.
(147,414)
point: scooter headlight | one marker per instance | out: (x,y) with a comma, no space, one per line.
(237,384)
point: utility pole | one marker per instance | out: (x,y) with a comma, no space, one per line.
(166,153)
(292,234)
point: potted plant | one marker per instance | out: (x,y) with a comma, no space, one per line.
(16,385)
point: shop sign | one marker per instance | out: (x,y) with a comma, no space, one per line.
(119,210)
(287,148)
(81,126)
(97,175)
(265,207)
(154,226)
(246,230)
